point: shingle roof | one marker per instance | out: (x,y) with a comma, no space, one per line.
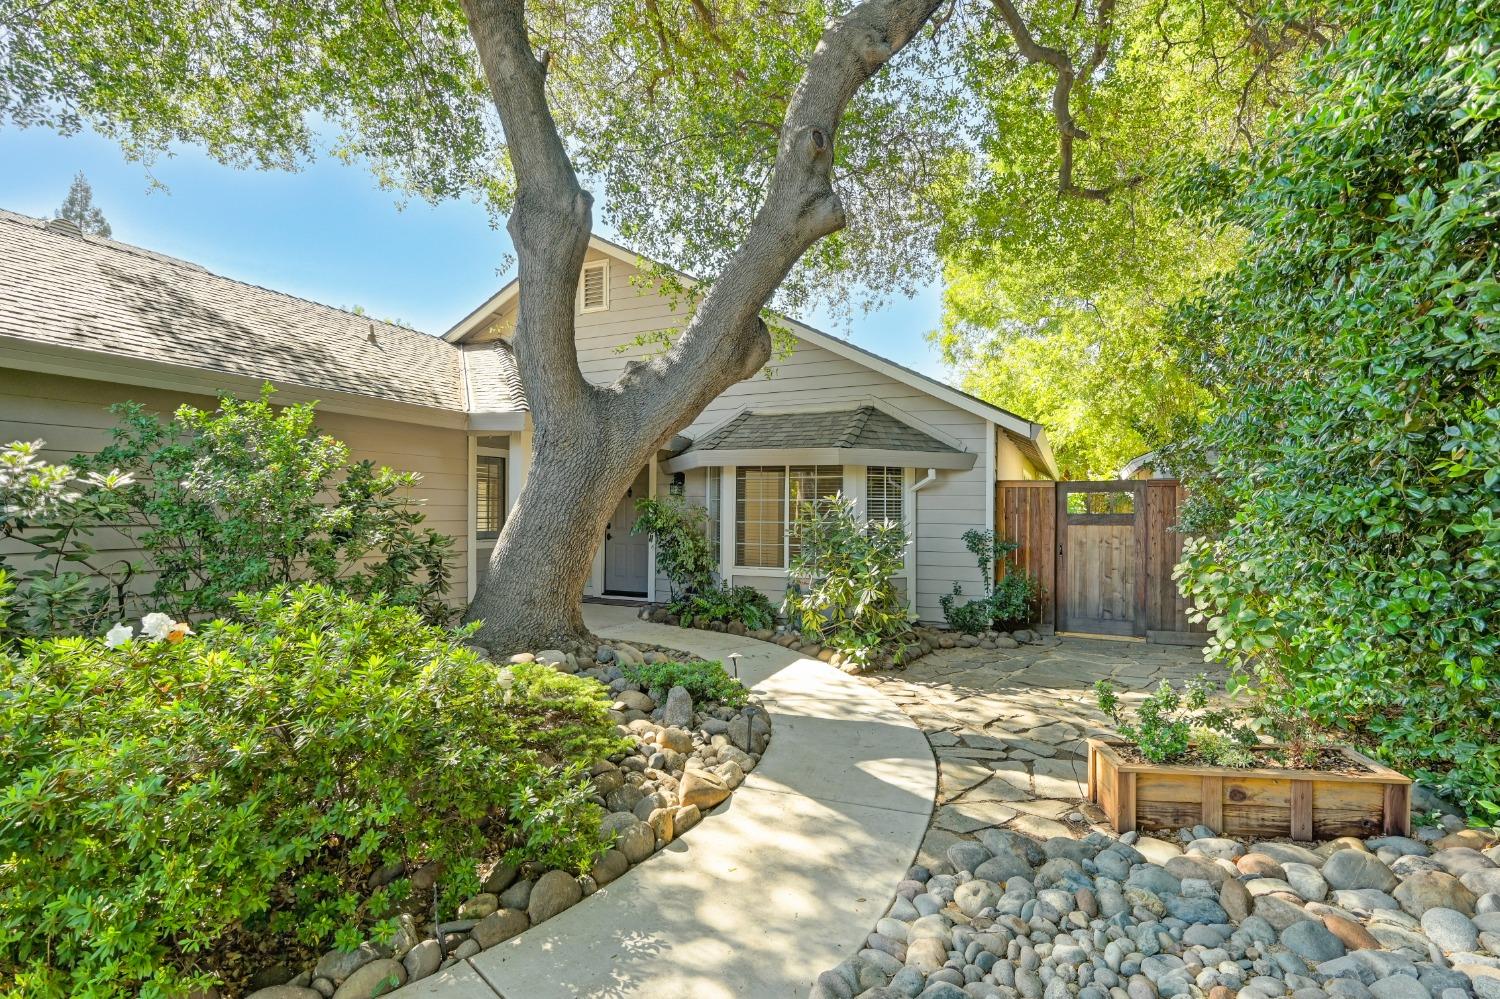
(865,427)
(91,293)
(493,380)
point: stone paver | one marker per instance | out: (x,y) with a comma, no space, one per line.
(1008,727)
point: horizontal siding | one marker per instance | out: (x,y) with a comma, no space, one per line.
(72,416)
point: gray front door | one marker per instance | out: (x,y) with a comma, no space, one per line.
(627,555)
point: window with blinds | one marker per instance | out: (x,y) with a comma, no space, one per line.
(815,484)
(489,496)
(883,493)
(760,517)
(594,291)
(713,499)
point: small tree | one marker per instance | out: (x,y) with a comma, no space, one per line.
(79,208)
(843,574)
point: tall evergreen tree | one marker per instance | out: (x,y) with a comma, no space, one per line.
(79,208)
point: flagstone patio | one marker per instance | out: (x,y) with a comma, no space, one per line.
(1008,729)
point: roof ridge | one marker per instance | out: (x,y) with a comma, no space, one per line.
(104,242)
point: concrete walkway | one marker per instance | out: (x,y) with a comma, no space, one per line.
(778,884)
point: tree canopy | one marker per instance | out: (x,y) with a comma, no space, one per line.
(1348,482)
(1053,305)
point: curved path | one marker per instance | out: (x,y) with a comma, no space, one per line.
(781,882)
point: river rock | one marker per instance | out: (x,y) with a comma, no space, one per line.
(1236,900)
(1306,881)
(423,959)
(1311,941)
(553,892)
(1353,869)
(702,788)
(678,712)
(1351,934)
(1434,890)
(337,965)
(498,926)
(1450,929)
(373,979)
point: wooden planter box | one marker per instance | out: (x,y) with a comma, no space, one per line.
(1249,803)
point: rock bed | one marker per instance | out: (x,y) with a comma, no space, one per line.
(921,641)
(1200,915)
(686,760)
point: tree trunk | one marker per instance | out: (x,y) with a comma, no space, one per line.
(590,441)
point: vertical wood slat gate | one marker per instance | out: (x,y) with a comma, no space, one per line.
(1103,553)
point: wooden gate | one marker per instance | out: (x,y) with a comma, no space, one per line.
(1103,553)
(1101,579)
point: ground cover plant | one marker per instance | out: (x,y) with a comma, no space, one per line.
(1347,490)
(1008,602)
(724,605)
(704,681)
(843,573)
(161,792)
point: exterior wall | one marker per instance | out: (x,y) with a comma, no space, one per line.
(72,416)
(815,377)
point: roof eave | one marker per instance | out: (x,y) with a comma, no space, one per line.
(960,461)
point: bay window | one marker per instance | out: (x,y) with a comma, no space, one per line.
(765,506)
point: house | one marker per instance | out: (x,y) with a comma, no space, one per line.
(86,322)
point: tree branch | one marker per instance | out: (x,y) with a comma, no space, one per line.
(1068,130)
(726,334)
(553,215)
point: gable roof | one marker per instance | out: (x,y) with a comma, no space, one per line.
(63,289)
(1029,437)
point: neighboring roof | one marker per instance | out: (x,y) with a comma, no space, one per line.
(1030,438)
(65,289)
(862,436)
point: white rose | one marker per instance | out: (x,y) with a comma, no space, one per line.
(156,625)
(118,635)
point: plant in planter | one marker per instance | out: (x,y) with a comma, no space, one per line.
(1008,602)
(843,570)
(1184,760)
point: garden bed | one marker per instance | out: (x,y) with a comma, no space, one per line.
(1354,797)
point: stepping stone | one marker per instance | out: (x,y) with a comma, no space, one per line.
(958,776)
(971,816)
(1038,827)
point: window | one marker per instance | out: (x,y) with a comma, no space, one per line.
(713,499)
(489,496)
(593,289)
(883,492)
(765,500)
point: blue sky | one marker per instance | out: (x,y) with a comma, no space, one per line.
(330,234)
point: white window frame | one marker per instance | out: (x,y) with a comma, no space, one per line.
(603,267)
(731,533)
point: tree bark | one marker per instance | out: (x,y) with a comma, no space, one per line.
(589,442)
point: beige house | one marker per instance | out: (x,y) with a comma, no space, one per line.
(86,322)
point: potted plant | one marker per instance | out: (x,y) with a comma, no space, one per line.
(1184,761)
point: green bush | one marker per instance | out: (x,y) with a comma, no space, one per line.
(160,795)
(1009,602)
(725,605)
(683,552)
(250,496)
(1168,724)
(54,580)
(704,681)
(843,575)
(1347,487)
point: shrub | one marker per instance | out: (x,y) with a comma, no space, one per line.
(843,573)
(683,552)
(725,605)
(1008,602)
(250,497)
(1347,484)
(46,512)
(1167,724)
(704,681)
(162,796)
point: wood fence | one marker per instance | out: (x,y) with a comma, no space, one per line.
(1103,553)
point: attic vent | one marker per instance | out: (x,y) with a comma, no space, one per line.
(65,227)
(594,293)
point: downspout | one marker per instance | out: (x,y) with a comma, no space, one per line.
(917,487)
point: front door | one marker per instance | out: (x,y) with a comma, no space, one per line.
(1101,559)
(627,555)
